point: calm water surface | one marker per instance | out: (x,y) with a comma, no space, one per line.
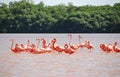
(80,64)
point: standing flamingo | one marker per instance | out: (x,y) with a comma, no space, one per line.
(17,47)
(116,48)
(83,45)
(44,43)
(23,48)
(89,45)
(103,47)
(55,47)
(106,48)
(74,47)
(44,47)
(26,48)
(34,49)
(68,49)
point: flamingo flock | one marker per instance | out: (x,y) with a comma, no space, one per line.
(110,48)
(68,48)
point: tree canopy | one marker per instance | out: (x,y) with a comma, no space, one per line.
(26,17)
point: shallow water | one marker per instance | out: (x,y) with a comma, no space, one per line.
(80,64)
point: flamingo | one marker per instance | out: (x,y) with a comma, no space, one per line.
(103,47)
(83,45)
(23,47)
(26,48)
(44,43)
(74,47)
(44,48)
(106,48)
(68,49)
(89,45)
(34,49)
(116,48)
(17,47)
(55,47)
(109,48)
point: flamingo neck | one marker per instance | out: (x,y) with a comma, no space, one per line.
(12,44)
(28,44)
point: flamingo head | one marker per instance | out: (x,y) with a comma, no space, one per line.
(28,40)
(115,43)
(12,39)
(80,36)
(16,45)
(33,45)
(38,39)
(102,46)
(66,46)
(22,45)
(54,40)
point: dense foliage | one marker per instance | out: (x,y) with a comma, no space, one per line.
(26,17)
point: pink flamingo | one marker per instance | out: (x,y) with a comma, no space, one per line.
(68,49)
(89,45)
(44,43)
(27,47)
(34,49)
(106,48)
(74,47)
(23,48)
(109,48)
(83,45)
(116,48)
(55,47)
(17,47)
(44,47)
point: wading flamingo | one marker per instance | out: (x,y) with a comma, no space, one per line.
(109,48)
(23,48)
(26,48)
(55,47)
(68,50)
(44,43)
(89,45)
(74,47)
(83,45)
(116,48)
(106,48)
(34,49)
(44,48)
(17,47)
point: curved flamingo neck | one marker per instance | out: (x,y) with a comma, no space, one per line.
(38,43)
(12,44)
(28,43)
(70,38)
(114,47)
(44,43)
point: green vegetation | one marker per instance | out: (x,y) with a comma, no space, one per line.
(26,17)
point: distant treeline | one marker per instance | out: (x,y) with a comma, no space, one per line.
(26,17)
